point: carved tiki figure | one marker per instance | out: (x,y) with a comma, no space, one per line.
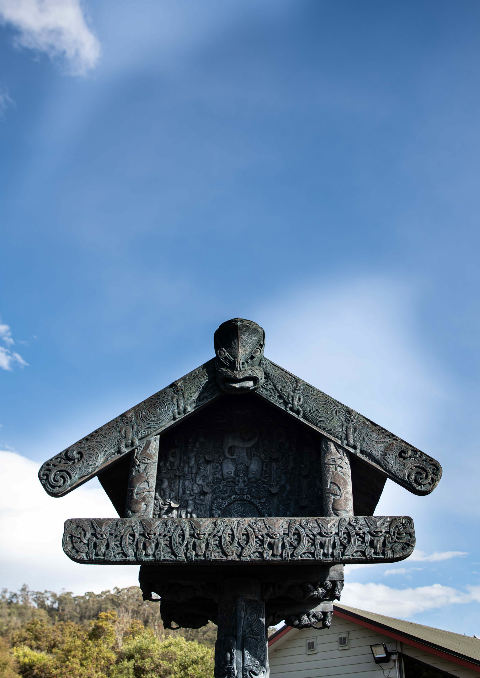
(242,491)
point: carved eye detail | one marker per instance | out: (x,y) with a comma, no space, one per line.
(221,353)
(256,352)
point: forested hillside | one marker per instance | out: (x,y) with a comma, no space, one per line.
(114,634)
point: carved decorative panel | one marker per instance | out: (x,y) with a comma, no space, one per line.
(401,462)
(239,458)
(337,480)
(142,479)
(220,540)
(90,455)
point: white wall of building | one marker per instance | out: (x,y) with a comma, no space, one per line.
(289,656)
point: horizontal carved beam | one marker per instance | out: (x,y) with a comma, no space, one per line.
(369,539)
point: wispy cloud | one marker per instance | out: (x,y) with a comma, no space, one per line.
(405,603)
(8,357)
(5,101)
(56,27)
(420,556)
(6,334)
(401,570)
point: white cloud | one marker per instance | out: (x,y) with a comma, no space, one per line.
(6,334)
(475,593)
(405,603)
(5,101)
(31,528)
(57,27)
(401,570)
(8,358)
(422,557)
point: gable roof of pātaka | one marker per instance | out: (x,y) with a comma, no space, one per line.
(460,649)
(392,456)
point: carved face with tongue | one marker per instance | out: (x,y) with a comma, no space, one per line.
(239,348)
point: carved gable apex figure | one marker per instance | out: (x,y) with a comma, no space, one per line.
(239,346)
(241,368)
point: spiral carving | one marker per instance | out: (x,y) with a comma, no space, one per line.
(423,476)
(59,477)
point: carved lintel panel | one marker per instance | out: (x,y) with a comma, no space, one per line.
(248,540)
(142,479)
(337,480)
(241,647)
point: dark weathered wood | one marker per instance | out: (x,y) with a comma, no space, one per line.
(242,513)
(397,459)
(247,371)
(114,480)
(240,456)
(94,453)
(337,480)
(142,479)
(190,596)
(337,501)
(241,649)
(249,540)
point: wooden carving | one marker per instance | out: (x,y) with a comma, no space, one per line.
(215,541)
(237,488)
(391,455)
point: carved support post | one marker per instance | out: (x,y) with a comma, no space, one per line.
(141,482)
(241,649)
(337,489)
(337,480)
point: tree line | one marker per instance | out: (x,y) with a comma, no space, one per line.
(113,634)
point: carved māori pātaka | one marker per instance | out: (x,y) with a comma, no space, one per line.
(241,492)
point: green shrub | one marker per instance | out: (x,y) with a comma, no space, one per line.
(8,665)
(145,656)
(96,650)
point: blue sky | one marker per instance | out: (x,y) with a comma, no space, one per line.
(311,165)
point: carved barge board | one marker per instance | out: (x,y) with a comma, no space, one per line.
(90,455)
(399,461)
(176,541)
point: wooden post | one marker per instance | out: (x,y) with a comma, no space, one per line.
(142,479)
(241,649)
(337,480)
(337,490)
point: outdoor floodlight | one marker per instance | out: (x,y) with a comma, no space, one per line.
(380,653)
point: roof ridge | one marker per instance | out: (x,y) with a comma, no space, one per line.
(369,615)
